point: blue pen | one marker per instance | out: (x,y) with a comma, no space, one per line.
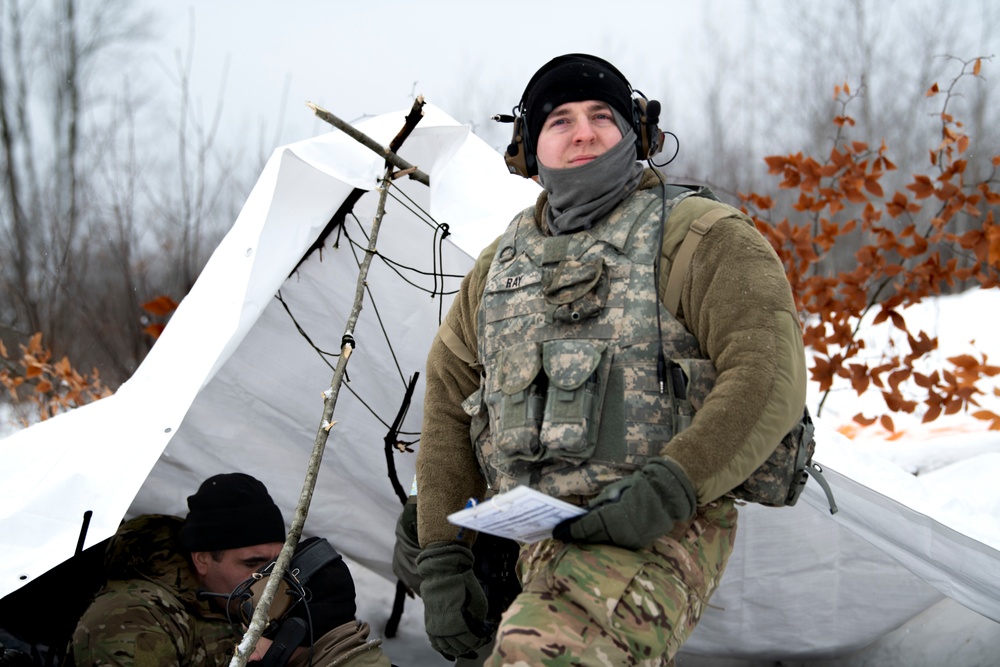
(471,502)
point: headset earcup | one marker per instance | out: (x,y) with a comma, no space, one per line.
(282,600)
(639,125)
(516,155)
(650,137)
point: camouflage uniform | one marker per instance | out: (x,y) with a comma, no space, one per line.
(596,604)
(587,604)
(148,614)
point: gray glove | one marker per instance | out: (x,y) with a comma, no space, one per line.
(407,548)
(454,603)
(634,511)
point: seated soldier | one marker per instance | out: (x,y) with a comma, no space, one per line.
(166,598)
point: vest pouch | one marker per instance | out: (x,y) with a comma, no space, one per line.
(577,371)
(577,291)
(516,401)
(779,481)
(698,379)
(481,437)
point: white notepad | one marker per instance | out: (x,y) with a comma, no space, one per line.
(521,514)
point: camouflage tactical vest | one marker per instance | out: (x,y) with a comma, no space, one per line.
(568,340)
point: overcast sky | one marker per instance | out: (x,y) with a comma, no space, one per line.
(357,58)
(769,65)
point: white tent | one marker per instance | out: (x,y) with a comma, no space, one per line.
(236,383)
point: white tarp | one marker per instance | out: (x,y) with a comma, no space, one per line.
(233,384)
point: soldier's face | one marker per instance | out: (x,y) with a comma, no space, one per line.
(233,566)
(576,133)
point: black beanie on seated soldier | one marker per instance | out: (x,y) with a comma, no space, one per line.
(231,511)
(574,78)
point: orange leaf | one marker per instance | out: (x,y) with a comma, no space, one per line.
(873,187)
(153,329)
(775,164)
(989,416)
(933,90)
(977,67)
(887,424)
(864,421)
(63,367)
(160,306)
(921,186)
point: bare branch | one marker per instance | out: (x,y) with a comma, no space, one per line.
(364,139)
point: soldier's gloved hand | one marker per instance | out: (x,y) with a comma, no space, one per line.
(454,603)
(407,548)
(634,511)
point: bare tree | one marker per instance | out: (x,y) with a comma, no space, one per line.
(50,55)
(96,218)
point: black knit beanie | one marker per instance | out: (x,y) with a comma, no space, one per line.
(231,511)
(573,78)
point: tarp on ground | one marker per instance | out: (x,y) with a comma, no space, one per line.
(237,378)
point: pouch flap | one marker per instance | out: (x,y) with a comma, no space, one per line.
(569,363)
(572,279)
(519,366)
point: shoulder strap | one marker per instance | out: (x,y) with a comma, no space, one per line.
(681,263)
(455,344)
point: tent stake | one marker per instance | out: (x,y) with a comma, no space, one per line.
(260,613)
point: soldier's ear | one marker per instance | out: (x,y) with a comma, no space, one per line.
(200,560)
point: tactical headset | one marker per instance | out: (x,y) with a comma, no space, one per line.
(520,154)
(286,632)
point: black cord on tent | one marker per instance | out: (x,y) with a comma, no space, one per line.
(392,444)
(392,623)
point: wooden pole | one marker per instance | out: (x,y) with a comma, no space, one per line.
(364,139)
(260,615)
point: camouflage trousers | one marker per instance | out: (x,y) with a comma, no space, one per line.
(584,604)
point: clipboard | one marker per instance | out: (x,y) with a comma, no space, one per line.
(521,514)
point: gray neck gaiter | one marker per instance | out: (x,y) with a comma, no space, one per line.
(579,197)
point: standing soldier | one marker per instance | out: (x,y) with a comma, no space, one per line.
(559,351)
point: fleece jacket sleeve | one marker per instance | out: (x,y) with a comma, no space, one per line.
(447,470)
(737,302)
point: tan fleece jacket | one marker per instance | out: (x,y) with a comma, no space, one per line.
(737,303)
